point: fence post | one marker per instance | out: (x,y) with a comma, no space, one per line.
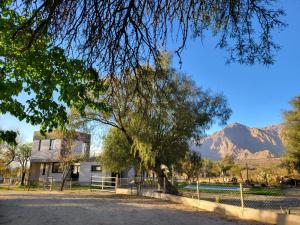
(51,183)
(158,186)
(70,183)
(116,180)
(164,184)
(91,182)
(8,186)
(242,195)
(198,194)
(102,182)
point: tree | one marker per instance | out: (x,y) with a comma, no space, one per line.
(7,156)
(159,112)
(225,165)
(68,155)
(122,34)
(207,167)
(22,156)
(290,133)
(236,170)
(191,165)
(116,155)
(49,81)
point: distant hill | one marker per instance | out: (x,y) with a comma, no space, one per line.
(242,142)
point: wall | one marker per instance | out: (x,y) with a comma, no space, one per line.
(45,154)
(264,216)
(85,172)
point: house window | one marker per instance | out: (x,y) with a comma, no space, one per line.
(51,145)
(57,167)
(96,168)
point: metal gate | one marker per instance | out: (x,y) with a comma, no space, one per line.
(103,183)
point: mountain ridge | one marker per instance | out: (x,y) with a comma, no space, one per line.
(242,142)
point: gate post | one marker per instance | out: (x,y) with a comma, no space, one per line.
(242,195)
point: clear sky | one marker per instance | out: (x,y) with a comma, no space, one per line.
(256,94)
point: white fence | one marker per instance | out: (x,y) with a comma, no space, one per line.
(103,183)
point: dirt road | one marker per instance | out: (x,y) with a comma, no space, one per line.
(38,208)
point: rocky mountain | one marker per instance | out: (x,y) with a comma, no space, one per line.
(242,142)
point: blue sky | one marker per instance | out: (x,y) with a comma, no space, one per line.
(256,94)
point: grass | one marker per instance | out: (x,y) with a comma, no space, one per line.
(273,191)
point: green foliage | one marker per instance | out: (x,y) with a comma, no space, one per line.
(191,165)
(8,136)
(170,112)
(22,155)
(225,165)
(116,155)
(207,167)
(44,74)
(7,154)
(291,134)
(160,112)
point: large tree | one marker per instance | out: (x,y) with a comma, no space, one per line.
(290,133)
(47,79)
(159,112)
(120,34)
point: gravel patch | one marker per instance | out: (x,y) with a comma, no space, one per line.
(55,208)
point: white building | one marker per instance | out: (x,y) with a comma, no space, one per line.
(48,151)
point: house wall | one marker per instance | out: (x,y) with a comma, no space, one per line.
(41,151)
(86,172)
(48,172)
(35,171)
(44,153)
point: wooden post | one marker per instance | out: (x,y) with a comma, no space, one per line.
(242,195)
(8,186)
(102,182)
(198,194)
(51,183)
(158,186)
(116,184)
(71,183)
(91,182)
(29,177)
(164,184)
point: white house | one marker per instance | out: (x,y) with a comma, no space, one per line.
(47,153)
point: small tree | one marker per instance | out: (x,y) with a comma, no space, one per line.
(236,170)
(290,133)
(7,156)
(225,165)
(68,155)
(208,168)
(22,156)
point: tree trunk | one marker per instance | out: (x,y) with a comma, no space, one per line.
(170,189)
(64,177)
(23,178)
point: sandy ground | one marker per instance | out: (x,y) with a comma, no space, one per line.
(54,208)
